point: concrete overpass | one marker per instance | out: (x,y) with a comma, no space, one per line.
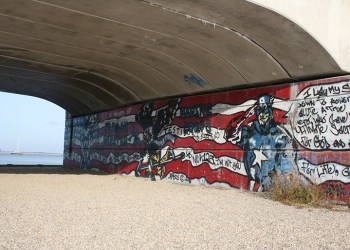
(129,73)
(89,56)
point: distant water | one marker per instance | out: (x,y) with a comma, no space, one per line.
(30,159)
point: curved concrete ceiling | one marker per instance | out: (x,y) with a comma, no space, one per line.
(88,56)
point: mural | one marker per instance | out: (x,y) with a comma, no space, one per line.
(155,155)
(241,139)
(264,143)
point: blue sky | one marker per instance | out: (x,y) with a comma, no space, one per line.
(37,124)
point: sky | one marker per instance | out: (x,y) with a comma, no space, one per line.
(38,125)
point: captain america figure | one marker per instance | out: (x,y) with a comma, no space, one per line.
(267,146)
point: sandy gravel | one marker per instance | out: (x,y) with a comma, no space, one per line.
(81,211)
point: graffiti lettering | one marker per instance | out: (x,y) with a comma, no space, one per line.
(323,117)
(339,144)
(326,90)
(178,177)
(231,164)
(338,119)
(325,109)
(115,159)
(306,103)
(305,141)
(203,157)
(121,125)
(346,172)
(202,136)
(198,159)
(341,130)
(196,111)
(327,169)
(340,100)
(324,172)
(307,111)
(196,127)
(321,142)
(306,169)
(310,127)
(346,88)
(207,133)
(174,130)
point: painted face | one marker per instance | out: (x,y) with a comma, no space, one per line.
(263,118)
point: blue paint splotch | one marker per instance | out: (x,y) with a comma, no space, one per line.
(193,79)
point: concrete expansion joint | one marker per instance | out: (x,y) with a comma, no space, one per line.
(207,22)
(204,21)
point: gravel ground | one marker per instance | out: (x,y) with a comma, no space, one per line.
(84,211)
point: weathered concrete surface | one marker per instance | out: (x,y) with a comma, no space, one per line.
(51,211)
(326,21)
(97,55)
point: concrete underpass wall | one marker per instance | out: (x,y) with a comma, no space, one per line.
(237,138)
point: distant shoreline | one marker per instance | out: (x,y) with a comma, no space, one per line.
(31,153)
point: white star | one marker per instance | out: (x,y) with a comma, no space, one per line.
(259,157)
